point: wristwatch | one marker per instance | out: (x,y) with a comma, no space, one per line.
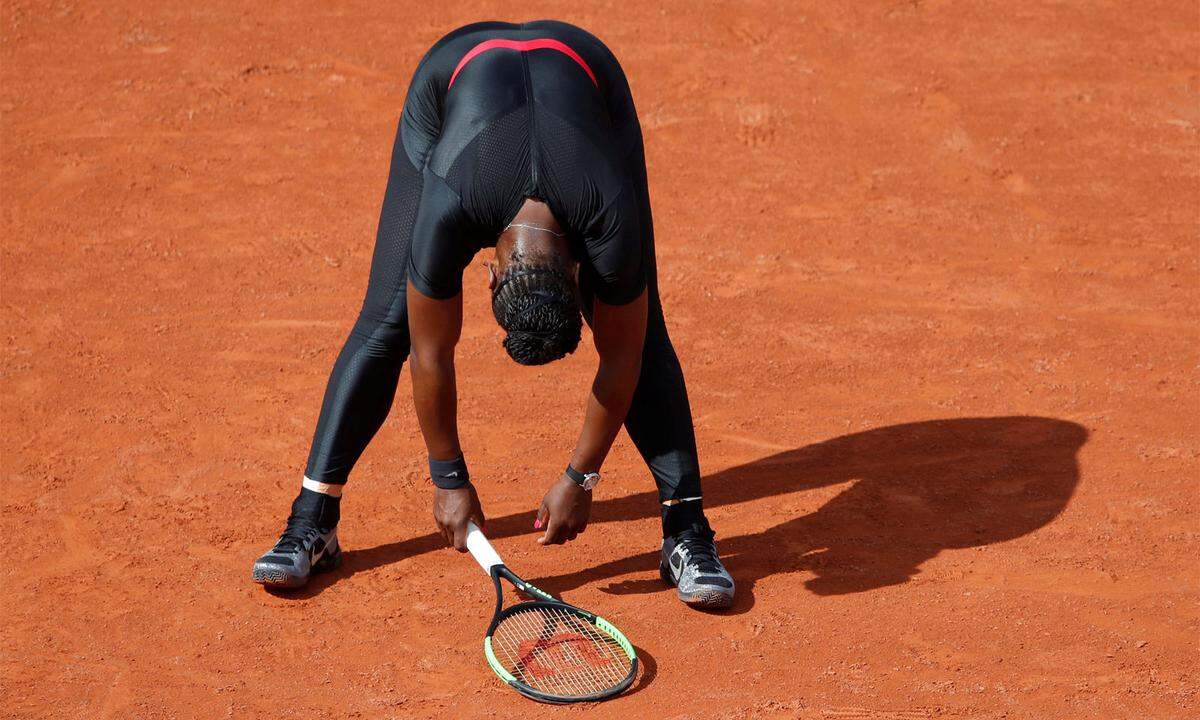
(587,481)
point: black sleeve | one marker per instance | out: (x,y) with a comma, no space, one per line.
(440,246)
(616,253)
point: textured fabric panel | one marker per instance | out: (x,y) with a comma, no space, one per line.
(593,196)
(493,172)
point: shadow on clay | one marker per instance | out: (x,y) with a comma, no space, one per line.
(913,490)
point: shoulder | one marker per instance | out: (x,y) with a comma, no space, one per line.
(440,247)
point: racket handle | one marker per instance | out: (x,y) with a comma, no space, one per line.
(481,549)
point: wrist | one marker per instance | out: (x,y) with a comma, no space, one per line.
(571,487)
(584,480)
(465,487)
(449,474)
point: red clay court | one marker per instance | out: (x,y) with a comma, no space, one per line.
(931,268)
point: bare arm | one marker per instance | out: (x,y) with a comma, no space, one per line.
(620,334)
(435,327)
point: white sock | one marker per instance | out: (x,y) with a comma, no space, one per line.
(323,488)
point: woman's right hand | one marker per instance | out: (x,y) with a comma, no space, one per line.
(452,510)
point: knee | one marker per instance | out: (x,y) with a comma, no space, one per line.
(382,338)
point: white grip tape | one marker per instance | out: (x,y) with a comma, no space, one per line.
(481,549)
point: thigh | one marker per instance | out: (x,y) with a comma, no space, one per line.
(385,296)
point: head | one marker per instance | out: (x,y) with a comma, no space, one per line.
(534,293)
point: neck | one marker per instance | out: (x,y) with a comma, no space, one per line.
(533,246)
(531,227)
(534,236)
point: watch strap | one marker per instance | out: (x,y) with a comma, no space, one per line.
(575,475)
(587,481)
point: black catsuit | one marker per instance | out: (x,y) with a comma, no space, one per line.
(497,113)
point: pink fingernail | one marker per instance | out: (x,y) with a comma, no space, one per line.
(537,524)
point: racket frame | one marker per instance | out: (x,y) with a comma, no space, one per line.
(548,601)
(490,561)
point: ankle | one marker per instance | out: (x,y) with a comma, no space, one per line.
(322,510)
(683,516)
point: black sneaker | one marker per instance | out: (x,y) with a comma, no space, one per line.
(303,549)
(690,563)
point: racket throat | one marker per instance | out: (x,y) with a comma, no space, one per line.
(495,573)
(528,589)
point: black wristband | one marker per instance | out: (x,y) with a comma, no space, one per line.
(449,474)
(575,475)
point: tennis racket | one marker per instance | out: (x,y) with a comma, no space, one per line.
(546,649)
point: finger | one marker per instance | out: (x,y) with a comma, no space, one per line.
(460,539)
(553,534)
(543,515)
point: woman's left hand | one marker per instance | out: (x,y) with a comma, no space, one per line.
(564,513)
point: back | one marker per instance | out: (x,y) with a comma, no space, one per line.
(510,112)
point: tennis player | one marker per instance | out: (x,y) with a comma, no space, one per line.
(523,138)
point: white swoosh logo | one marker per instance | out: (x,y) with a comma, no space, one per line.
(324,550)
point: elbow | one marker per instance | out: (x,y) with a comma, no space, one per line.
(431,358)
(630,366)
(624,369)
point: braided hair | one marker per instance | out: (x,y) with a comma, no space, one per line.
(538,306)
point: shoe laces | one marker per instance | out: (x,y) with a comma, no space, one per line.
(701,552)
(300,531)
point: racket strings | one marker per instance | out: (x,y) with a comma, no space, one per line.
(559,653)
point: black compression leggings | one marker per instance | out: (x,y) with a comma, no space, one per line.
(363,382)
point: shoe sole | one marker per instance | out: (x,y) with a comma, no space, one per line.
(706,599)
(277,576)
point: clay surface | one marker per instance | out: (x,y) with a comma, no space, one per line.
(931,268)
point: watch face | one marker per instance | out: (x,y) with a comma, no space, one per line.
(591,480)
